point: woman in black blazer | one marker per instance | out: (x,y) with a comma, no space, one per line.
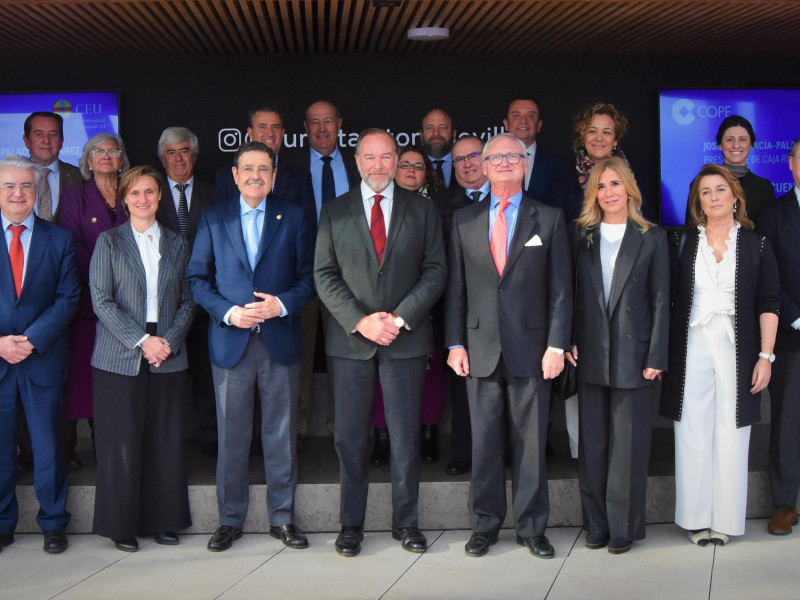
(144,306)
(621,328)
(724,320)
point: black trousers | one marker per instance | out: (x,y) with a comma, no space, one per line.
(615,428)
(141,468)
(784,440)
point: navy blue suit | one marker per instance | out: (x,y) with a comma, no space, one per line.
(548,182)
(47,303)
(221,277)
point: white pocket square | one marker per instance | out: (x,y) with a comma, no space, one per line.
(534,241)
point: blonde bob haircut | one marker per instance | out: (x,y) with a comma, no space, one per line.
(696,214)
(592,214)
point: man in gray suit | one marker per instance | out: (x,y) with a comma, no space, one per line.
(44,138)
(509,302)
(379,268)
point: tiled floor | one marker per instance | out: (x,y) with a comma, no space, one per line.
(665,565)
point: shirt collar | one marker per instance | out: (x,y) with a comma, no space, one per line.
(448,158)
(316,156)
(171,183)
(368,192)
(484,189)
(28,222)
(797,193)
(245,208)
(515,200)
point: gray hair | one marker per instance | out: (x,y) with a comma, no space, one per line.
(96,140)
(795,144)
(374,131)
(522,149)
(176,135)
(15,161)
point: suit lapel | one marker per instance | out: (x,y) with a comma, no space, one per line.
(527,226)
(628,253)
(130,251)
(399,206)
(476,236)
(595,268)
(167,265)
(40,239)
(360,220)
(233,224)
(273,217)
(5,268)
(793,213)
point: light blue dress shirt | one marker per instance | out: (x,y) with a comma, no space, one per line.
(339,176)
(447,167)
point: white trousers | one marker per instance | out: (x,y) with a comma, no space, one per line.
(710,452)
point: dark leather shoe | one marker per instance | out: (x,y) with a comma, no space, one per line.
(72,461)
(538,545)
(6,539)
(782,521)
(429,444)
(478,544)
(166,538)
(380,449)
(411,539)
(348,542)
(290,535)
(127,545)
(458,467)
(55,542)
(223,538)
(595,540)
(619,545)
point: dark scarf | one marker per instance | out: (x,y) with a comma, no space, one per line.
(584,164)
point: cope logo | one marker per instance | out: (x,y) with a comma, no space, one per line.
(229,139)
(682,111)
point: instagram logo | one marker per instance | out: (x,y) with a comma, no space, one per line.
(229,139)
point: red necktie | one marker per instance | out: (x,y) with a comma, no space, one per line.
(377,228)
(15,254)
(500,237)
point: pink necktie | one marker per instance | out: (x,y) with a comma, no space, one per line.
(500,237)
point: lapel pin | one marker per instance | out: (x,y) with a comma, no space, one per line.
(94,219)
(279,217)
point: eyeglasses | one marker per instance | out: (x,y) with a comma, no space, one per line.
(495,159)
(248,171)
(101,152)
(408,165)
(471,156)
(23,187)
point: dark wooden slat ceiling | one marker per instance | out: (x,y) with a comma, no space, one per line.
(565,27)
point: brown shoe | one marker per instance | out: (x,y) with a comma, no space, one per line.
(782,521)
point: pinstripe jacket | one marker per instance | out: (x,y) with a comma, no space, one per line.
(117,284)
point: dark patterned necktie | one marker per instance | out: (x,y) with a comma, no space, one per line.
(439,172)
(476,196)
(183,208)
(328,183)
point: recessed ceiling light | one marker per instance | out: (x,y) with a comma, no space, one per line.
(428,34)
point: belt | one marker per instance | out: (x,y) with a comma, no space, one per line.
(727,311)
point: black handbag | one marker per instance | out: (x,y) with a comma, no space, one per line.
(566,384)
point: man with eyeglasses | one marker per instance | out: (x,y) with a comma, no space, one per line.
(44,138)
(437,135)
(39,291)
(473,186)
(251,270)
(546,176)
(508,320)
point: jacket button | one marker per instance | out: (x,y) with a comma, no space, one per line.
(635,279)
(627,309)
(628,336)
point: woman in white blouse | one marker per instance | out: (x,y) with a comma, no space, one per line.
(144,306)
(621,330)
(723,325)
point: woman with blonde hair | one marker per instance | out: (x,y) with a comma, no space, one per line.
(621,328)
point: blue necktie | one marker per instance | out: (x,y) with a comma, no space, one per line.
(252,238)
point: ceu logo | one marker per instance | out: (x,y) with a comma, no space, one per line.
(229,139)
(682,111)
(63,108)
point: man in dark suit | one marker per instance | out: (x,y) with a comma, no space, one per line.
(379,267)
(39,291)
(781,224)
(473,186)
(509,301)
(251,270)
(44,138)
(333,173)
(546,177)
(183,202)
(436,136)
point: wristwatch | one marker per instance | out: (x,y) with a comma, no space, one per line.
(399,321)
(769,357)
